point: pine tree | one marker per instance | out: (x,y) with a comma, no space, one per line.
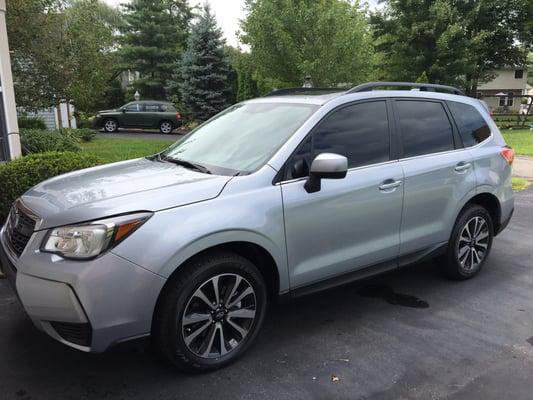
(205,85)
(155,34)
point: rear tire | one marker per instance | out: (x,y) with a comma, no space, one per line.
(470,243)
(110,125)
(197,333)
(166,127)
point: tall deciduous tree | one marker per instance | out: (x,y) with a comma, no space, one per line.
(454,42)
(65,53)
(325,39)
(154,38)
(206,72)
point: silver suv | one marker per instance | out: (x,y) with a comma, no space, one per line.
(273,198)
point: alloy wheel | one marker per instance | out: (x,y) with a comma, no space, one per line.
(473,243)
(218,316)
(166,127)
(110,125)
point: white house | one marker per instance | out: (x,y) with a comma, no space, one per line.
(506,89)
(55,117)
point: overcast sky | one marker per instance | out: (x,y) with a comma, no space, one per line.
(227,12)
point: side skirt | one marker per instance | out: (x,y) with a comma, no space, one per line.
(367,272)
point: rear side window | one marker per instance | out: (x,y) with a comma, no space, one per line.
(151,108)
(359,132)
(472,126)
(425,127)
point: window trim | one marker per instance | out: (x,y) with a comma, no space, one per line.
(280,176)
(456,137)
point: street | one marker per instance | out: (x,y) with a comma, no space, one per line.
(411,334)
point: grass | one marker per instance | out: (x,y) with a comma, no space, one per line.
(118,149)
(521,140)
(520,184)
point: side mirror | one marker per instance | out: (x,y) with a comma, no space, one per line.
(326,166)
(123,111)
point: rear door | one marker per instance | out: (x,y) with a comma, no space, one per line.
(351,223)
(438,172)
(152,114)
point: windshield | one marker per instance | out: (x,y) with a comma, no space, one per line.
(242,138)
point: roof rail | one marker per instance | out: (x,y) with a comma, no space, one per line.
(302,90)
(428,87)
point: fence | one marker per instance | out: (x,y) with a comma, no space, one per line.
(510,111)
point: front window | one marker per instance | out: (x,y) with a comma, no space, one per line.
(242,138)
(132,107)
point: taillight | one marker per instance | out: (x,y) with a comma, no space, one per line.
(508,154)
(178,115)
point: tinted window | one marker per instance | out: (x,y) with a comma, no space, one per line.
(472,126)
(151,107)
(359,132)
(425,127)
(133,107)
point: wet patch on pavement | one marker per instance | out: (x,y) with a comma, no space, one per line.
(387,293)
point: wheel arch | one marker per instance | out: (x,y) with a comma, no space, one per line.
(491,203)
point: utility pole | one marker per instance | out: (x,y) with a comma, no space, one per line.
(9,130)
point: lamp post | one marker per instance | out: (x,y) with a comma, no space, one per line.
(9,136)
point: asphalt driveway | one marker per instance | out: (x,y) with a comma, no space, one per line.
(143,134)
(407,335)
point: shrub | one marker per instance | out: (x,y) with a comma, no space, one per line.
(19,175)
(31,123)
(80,135)
(40,141)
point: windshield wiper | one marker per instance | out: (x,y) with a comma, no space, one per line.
(186,164)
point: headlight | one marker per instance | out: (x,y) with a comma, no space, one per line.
(88,240)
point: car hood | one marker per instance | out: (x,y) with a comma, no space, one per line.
(107,111)
(128,186)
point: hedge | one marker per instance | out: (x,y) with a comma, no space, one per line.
(19,175)
(31,123)
(40,141)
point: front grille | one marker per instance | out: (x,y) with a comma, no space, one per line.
(19,228)
(80,334)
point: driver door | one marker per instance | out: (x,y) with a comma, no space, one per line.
(351,223)
(133,115)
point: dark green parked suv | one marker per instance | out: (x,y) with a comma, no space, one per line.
(140,114)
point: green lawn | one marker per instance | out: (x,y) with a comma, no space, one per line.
(118,149)
(521,140)
(520,184)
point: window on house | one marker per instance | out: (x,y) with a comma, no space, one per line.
(506,101)
(518,73)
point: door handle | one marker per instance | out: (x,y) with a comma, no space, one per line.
(462,166)
(389,184)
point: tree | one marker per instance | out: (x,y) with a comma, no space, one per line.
(454,42)
(290,39)
(88,52)
(245,69)
(64,54)
(33,48)
(154,37)
(205,85)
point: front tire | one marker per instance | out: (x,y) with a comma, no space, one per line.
(110,125)
(210,312)
(470,243)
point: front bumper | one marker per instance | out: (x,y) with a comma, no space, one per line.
(88,305)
